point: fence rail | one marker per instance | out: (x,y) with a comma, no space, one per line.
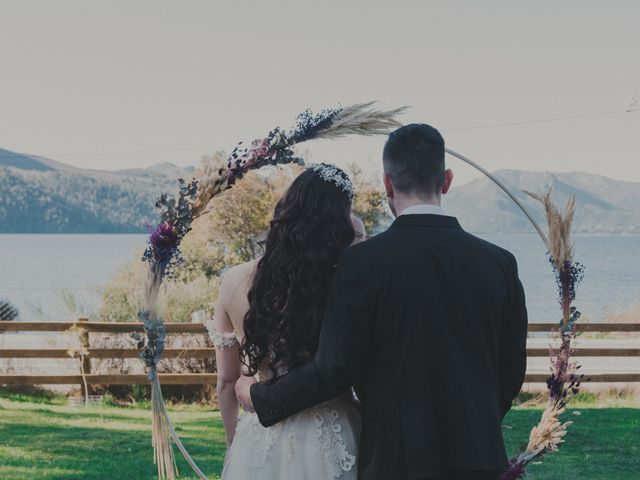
(199,353)
(208,352)
(92,379)
(130,327)
(97,327)
(587,327)
(104,353)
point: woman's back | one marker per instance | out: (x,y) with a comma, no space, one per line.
(268,318)
(232,297)
(232,307)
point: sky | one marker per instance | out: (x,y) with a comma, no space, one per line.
(120,84)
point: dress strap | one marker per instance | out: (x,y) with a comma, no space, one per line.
(222,340)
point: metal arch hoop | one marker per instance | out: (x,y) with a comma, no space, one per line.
(505,189)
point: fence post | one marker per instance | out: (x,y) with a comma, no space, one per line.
(86,361)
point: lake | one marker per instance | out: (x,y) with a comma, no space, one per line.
(35,270)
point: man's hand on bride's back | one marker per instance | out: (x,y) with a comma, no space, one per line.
(243,386)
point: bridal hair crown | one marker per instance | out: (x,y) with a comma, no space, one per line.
(331,173)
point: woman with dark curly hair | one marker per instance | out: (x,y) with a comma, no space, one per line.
(268,317)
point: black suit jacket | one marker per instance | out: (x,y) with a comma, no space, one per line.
(430,323)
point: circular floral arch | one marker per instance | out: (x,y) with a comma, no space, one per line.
(218,175)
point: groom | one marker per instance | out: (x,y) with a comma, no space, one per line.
(429,322)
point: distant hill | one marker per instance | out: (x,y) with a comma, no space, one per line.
(604,205)
(40,195)
(22,161)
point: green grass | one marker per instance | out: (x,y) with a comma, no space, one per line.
(56,442)
(602,444)
(51,441)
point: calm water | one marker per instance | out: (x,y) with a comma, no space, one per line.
(611,278)
(36,269)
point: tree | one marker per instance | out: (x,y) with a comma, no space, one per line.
(238,219)
(370,202)
(227,235)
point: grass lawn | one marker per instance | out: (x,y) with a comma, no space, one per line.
(49,440)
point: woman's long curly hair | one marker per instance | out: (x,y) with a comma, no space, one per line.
(311,226)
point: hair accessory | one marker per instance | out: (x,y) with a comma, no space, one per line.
(331,173)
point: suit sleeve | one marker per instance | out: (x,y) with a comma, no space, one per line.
(513,345)
(344,345)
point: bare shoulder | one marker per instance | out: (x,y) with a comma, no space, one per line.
(236,283)
(239,274)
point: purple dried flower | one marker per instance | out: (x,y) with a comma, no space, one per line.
(275,149)
(259,150)
(165,236)
(163,253)
(567,279)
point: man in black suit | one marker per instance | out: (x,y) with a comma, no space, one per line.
(429,322)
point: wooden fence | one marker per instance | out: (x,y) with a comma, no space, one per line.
(102,353)
(603,352)
(208,352)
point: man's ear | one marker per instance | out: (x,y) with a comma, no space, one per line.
(448,179)
(388,186)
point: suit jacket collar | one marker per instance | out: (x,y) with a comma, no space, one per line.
(426,220)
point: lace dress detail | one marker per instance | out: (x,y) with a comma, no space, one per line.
(331,442)
(319,443)
(262,443)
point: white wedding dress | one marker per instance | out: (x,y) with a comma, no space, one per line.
(320,443)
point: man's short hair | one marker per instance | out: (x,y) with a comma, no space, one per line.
(414,159)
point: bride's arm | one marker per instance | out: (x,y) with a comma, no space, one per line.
(227,362)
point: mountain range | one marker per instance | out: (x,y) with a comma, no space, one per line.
(603,205)
(40,195)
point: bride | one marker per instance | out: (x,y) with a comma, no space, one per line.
(268,317)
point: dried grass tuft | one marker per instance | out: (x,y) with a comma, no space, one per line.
(361,119)
(559,224)
(550,431)
(212,180)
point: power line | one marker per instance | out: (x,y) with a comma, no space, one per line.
(632,108)
(542,120)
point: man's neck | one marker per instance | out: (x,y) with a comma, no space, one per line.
(401,204)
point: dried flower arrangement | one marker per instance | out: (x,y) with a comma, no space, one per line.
(163,254)
(564,381)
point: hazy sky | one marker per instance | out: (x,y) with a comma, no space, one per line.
(114,84)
